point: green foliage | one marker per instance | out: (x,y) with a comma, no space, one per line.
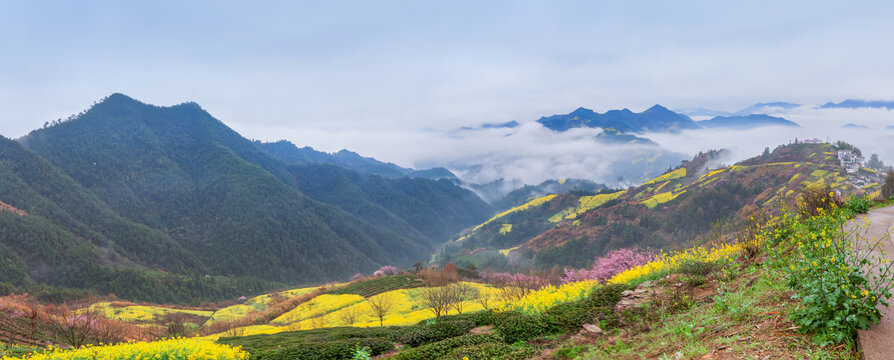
(329,350)
(126,189)
(375,286)
(441,348)
(858,205)
(362,353)
(480,318)
(829,270)
(426,334)
(494,351)
(269,343)
(521,327)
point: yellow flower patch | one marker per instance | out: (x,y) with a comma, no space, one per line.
(174,349)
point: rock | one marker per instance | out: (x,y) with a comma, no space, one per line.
(592,329)
(642,294)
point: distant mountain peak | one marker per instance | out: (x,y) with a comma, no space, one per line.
(582,111)
(657,118)
(657,107)
(746,122)
(857,103)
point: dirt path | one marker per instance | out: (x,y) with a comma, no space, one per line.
(878,342)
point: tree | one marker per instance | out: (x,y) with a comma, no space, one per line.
(72,329)
(457,294)
(418,266)
(436,299)
(319,321)
(483,297)
(875,163)
(379,306)
(349,315)
(888,187)
(175,323)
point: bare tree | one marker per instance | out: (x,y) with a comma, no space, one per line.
(34,316)
(436,299)
(379,306)
(483,297)
(234,330)
(175,323)
(457,294)
(349,315)
(319,321)
(73,329)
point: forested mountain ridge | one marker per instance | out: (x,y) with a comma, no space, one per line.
(288,153)
(214,204)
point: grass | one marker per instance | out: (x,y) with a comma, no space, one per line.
(741,318)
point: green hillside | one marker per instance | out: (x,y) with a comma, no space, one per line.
(161,192)
(668,212)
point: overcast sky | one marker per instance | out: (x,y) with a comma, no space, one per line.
(327,73)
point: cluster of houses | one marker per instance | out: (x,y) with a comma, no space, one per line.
(850,161)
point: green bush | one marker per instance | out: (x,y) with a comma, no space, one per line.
(492,351)
(858,205)
(441,348)
(426,334)
(261,343)
(480,318)
(838,295)
(330,350)
(698,267)
(570,316)
(608,295)
(522,327)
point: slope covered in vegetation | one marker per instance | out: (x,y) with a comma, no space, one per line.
(687,204)
(169,204)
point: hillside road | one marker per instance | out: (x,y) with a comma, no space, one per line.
(877,343)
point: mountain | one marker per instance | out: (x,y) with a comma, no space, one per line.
(657,119)
(857,104)
(763,108)
(614,137)
(172,190)
(289,153)
(508,124)
(855,126)
(667,212)
(745,122)
(529,192)
(758,108)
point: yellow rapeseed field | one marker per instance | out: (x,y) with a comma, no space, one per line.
(173,349)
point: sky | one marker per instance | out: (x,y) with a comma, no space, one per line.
(392,79)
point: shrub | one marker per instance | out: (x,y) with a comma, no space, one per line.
(492,351)
(441,348)
(426,334)
(327,350)
(858,205)
(815,199)
(570,316)
(480,318)
(521,327)
(828,272)
(698,267)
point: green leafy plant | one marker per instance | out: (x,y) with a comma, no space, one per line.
(830,271)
